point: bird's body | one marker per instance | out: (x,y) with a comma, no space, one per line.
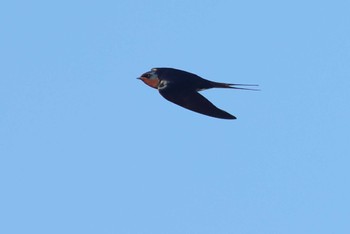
(181,88)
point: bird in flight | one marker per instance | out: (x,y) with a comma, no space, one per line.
(181,88)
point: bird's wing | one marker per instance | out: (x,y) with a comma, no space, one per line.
(194,101)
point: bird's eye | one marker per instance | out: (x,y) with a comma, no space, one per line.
(147,75)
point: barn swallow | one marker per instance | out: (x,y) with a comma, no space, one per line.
(181,88)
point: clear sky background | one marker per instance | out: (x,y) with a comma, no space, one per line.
(87,148)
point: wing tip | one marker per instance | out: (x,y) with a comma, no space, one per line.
(230,117)
(223,115)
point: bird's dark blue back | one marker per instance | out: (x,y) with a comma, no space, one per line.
(183,78)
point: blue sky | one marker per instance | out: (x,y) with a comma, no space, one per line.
(87,148)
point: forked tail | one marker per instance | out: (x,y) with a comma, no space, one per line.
(233,86)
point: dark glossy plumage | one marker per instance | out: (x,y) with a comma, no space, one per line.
(181,88)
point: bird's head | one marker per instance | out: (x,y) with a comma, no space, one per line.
(150,78)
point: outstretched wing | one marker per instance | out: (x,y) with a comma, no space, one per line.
(193,101)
